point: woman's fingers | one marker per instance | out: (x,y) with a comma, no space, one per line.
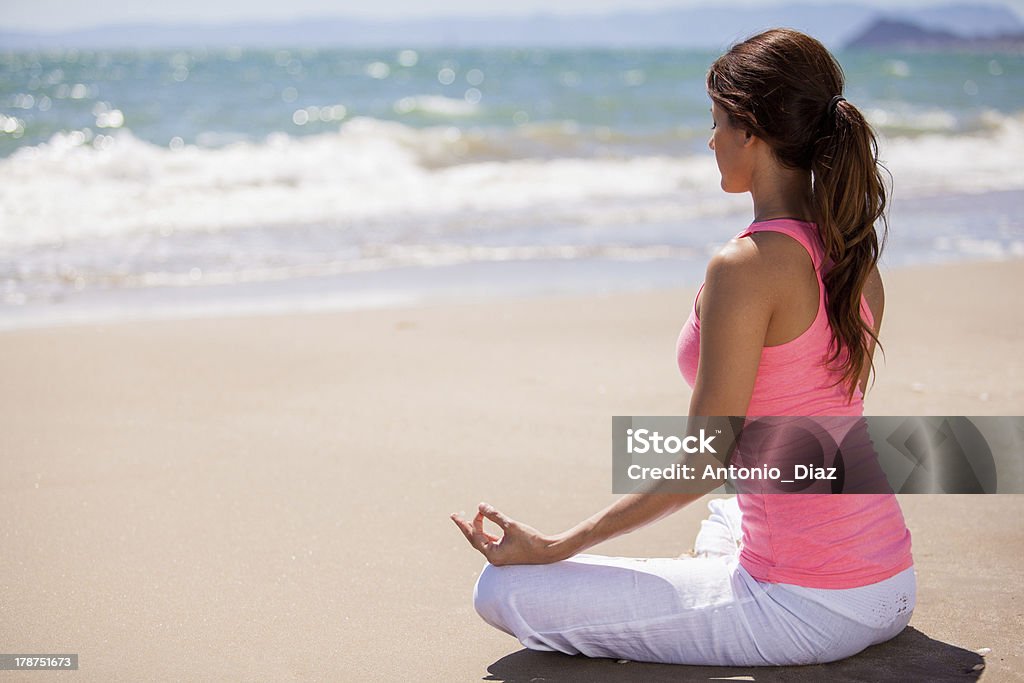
(495,548)
(469,532)
(478,523)
(498,518)
(478,527)
(517,543)
(463,527)
(474,533)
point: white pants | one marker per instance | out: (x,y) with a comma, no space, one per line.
(691,610)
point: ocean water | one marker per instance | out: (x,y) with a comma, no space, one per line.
(209,181)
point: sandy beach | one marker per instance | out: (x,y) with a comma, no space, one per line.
(267,498)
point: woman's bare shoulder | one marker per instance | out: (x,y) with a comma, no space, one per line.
(770,261)
(739,259)
(784,253)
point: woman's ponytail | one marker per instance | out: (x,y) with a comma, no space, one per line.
(849,197)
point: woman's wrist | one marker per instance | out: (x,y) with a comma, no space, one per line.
(566,544)
(557,548)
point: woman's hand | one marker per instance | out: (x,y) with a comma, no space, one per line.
(518,544)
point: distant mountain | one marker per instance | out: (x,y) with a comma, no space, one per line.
(711,27)
(963,20)
(890,34)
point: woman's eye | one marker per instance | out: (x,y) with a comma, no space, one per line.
(713,125)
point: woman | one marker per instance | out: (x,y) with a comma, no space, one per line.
(785,324)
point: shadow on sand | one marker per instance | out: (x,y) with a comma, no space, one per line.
(910,656)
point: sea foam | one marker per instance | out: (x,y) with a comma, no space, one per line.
(371,172)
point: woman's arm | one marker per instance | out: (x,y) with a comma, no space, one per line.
(736,307)
(874,292)
(521,544)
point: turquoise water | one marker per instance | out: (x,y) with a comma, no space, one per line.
(174,172)
(653,101)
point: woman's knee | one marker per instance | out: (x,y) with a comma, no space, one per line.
(483,591)
(490,595)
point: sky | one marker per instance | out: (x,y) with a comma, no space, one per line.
(61,15)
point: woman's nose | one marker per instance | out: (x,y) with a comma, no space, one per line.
(711,143)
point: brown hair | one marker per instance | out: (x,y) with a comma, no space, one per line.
(784,87)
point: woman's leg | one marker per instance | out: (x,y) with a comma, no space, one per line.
(640,609)
(701,610)
(721,534)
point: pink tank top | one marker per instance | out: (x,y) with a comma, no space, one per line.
(813,540)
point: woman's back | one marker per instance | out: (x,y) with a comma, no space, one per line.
(820,541)
(792,378)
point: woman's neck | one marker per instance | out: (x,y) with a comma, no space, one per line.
(782,193)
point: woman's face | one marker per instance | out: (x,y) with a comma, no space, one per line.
(733,152)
